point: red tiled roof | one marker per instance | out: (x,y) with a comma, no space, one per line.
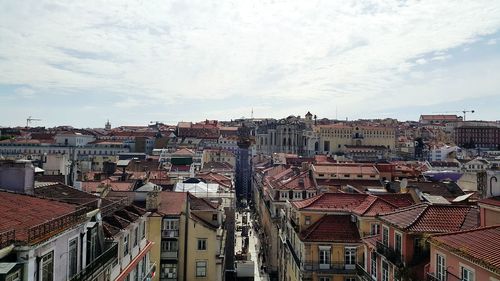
(433,218)
(332,228)
(373,206)
(362,169)
(439,117)
(172,203)
(299,182)
(16,215)
(200,204)
(180,168)
(480,245)
(398,199)
(343,202)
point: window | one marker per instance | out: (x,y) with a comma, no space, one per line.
(168,271)
(143,230)
(284,194)
(385,271)
(308,220)
(136,236)
(324,258)
(14,276)
(373,261)
(467,274)
(169,246)
(397,242)
(202,244)
(350,279)
(73,257)
(440,267)
(385,235)
(48,267)
(170,224)
(201,269)
(350,257)
(92,243)
(324,279)
(374,229)
(215,217)
(125,245)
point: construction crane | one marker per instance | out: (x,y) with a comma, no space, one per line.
(463,111)
(30,119)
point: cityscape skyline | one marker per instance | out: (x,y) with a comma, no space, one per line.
(171,61)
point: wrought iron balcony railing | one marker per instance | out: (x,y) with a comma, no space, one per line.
(331,267)
(99,264)
(389,253)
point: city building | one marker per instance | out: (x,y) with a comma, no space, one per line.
(466,255)
(478,135)
(401,251)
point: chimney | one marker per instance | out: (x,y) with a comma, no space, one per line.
(17,176)
(152,200)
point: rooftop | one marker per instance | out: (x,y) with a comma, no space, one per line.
(15,215)
(433,218)
(480,245)
(332,228)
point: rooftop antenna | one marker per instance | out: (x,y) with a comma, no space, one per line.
(252,113)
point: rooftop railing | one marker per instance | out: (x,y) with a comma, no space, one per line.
(7,238)
(45,230)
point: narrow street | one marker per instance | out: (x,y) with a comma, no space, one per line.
(253,246)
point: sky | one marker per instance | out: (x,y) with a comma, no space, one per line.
(81,63)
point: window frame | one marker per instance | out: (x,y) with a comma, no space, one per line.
(396,234)
(385,238)
(201,244)
(440,266)
(472,273)
(70,271)
(204,267)
(43,264)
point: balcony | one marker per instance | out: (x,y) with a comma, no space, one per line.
(99,264)
(332,267)
(170,233)
(420,257)
(431,276)
(389,253)
(363,275)
(172,255)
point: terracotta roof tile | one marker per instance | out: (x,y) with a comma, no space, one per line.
(18,216)
(433,218)
(332,228)
(172,203)
(480,245)
(398,199)
(344,202)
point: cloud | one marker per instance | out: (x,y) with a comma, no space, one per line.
(296,52)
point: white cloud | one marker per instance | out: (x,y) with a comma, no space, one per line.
(172,51)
